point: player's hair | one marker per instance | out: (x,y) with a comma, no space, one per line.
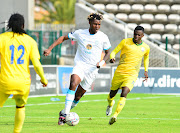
(93,16)
(16,23)
(139,28)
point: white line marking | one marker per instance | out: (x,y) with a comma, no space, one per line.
(106,118)
(137,98)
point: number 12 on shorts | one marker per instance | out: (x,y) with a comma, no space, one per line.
(19,60)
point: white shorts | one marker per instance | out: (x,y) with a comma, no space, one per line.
(87,75)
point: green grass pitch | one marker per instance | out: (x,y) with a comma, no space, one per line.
(143,113)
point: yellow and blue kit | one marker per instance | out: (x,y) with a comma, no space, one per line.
(130,61)
(16,50)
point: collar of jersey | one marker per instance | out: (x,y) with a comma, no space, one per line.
(137,43)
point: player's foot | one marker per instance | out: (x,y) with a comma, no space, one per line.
(112,120)
(62,119)
(109,109)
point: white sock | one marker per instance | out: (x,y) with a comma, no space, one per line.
(74,104)
(69,99)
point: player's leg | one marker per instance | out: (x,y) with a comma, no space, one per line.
(122,100)
(74,81)
(79,93)
(20,111)
(115,84)
(3,98)
(120,105)
(111,101)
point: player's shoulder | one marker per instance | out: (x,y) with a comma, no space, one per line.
(145,45)
(29,38)
(102,34)
(81,31)
(6,34)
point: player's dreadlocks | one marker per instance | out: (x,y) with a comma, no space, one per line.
(93,16)
(16,23)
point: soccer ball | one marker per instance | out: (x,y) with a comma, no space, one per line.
(72,119)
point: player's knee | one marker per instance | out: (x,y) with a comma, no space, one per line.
(125,91)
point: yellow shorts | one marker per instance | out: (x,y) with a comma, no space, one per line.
(21,100)
(120,81)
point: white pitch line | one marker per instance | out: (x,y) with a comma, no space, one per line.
(137,98)
(174,119)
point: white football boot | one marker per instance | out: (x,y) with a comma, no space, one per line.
(109,109)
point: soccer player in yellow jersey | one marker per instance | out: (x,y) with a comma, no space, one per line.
(16,48)
(132,52)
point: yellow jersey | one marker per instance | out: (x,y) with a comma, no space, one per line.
(131,57)
(16,50)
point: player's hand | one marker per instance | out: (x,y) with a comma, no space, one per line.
(146,76)
(97,65)
(46,52)
(112,60)
(44,82)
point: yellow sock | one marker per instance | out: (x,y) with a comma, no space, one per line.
(120,106)
(19,119)
(110,100)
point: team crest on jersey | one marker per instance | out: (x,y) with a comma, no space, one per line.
(142,49)
(89,46)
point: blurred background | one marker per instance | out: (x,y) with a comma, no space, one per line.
(46,20)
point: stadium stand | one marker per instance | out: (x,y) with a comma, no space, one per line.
(160,18)
(126,17)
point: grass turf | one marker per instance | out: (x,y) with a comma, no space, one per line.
(143,113)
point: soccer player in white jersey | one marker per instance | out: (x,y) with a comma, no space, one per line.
(91,43)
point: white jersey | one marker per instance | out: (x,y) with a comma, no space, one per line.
(90,46)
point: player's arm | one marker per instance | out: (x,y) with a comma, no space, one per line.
(115,51)
(146,65)
(106,57)
(39,70)
(57,42)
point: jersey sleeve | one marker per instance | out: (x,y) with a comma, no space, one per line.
(117,49)
(106,43)
(73,35)
(34,50)
(146,59)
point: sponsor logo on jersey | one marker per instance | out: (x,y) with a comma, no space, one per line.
(89,46)
(142,49)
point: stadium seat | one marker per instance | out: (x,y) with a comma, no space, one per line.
(169,36)
(174,18)
(157,27)
(161,17)
(166,1)
(171,27)
(163,46)
(124,8)
(176,46)
(99,6)
(111,7)
(175,8)
(147,17)
(137,8)
(122,16)
(134,17)
(163,8)
(147,27)
(132,25)
(177,38)
(150,8)
(109,16)
(155,36)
